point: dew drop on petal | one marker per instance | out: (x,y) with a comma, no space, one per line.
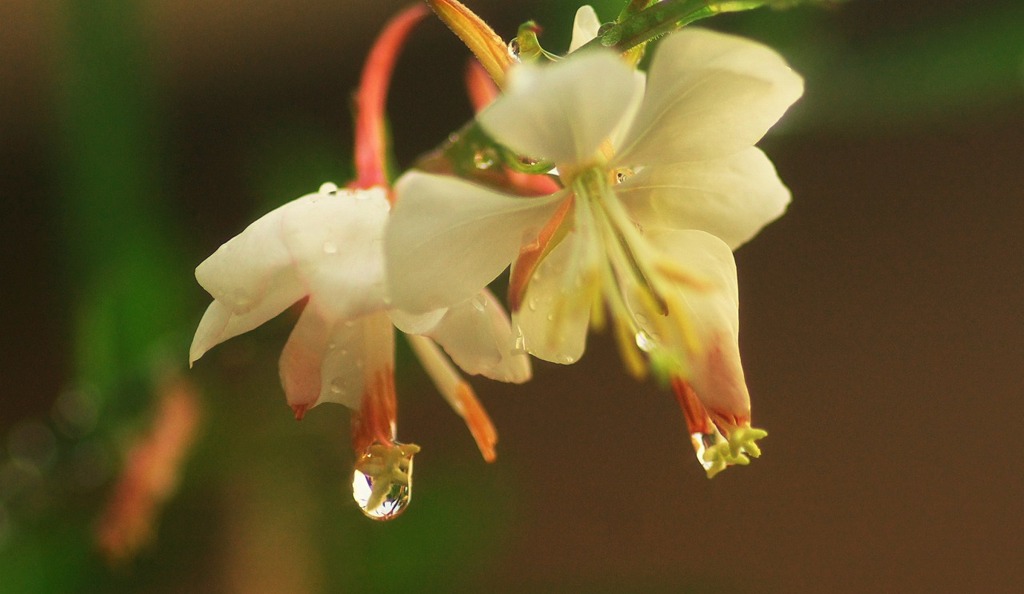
(519,347)
(382,480)
(330,247)
(531,304)
(329,188)
(478,303)
(567,359)
(645,342)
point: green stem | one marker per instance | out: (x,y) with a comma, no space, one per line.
(664,17)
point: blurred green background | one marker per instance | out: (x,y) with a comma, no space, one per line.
(882,320)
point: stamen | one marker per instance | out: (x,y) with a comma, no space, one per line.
(480,425)
(458,393)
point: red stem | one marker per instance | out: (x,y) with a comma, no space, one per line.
(371,99)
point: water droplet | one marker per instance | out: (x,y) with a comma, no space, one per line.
(330,247)
(344,352)
(519,347)
(645,342)
(483,159)
(551,317)
(338,386)
(331,346)
(531,304)
(382,480)
(567,359)
(349,323)
(478,303)
(329,188)
(514,49)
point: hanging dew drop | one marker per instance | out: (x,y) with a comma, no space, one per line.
(382,480)
(329,188)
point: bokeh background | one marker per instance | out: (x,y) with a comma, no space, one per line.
(882,321)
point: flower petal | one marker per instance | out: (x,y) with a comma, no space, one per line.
(219,323)
(477,335)
(323,243)
(253,266)
(716,373)
(564,111)
(328,360)
(555,316)
(448,238)
(335,242)
(584,27)
(709,95)
(732,198)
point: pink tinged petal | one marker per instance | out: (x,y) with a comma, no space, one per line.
(458,394)
(447,238)
(477,335)
(584,27)
(717,374)
(564,111)
(302,359)
(330,361)
(335,242)
(709,95)
(555,314)
(731,198)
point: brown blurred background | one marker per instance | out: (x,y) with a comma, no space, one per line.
(882,320)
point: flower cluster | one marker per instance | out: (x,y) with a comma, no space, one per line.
(651,180)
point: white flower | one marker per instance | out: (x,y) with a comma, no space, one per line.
(327,247)
(661,181)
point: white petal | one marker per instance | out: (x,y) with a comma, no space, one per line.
(555,314)
(717,374)
(411,323)
(477,335)
(732,198)
(335,241)
(448,238)
(564,111)
(357,350)
(219,323)
(584,27)
(708,95)
(317,244)
(328,360)
(252,267)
